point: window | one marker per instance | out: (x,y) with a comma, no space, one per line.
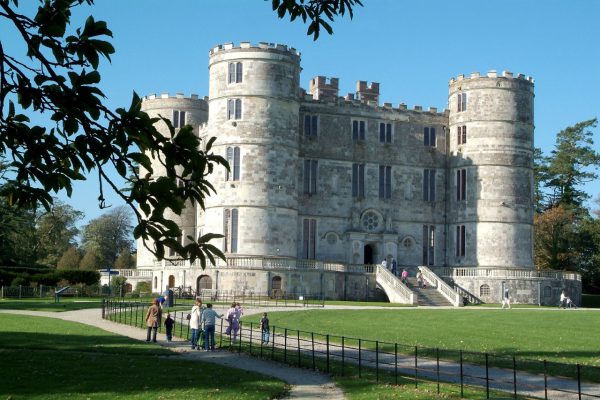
(484,290)
(460,241)
(385,132)
(358,180)
(233,158)
(461,185)
(428,244)
(178,119)
(309,235)
(429,185)
(235,72)
(385,182)
(234,108)
(310,176)
(462,102)
(358,130)
(461,134)
(311,123)
(547,291)
(230,230)
(429,138)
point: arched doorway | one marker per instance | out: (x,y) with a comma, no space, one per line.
(276,286)
(204,282)
(368,254)
(171,281)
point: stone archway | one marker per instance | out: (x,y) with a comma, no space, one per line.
(204,282)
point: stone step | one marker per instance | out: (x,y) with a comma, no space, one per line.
(427,297)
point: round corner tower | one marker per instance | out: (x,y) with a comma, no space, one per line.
(254,113)
(490,189)
(181,111)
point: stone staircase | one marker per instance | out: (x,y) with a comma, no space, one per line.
(427,297)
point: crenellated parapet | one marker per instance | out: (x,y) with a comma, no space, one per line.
(262,47)
(492,74)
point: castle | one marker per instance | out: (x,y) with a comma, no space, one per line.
(322,188)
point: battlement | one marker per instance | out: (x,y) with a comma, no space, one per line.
(321,90)
(260,46)
(492,74)
(367,92)
(370,105)
(154,96)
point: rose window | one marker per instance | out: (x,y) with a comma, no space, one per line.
(371,221)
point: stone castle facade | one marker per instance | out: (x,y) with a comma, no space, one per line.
(321,179)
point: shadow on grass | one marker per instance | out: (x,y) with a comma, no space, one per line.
(53,374)
(49,305)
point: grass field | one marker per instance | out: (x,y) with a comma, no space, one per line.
(45,358)
(567,336)
(48,304)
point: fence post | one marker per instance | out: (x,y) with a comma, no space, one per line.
(328,353)
(579,380)
(462,394)
(103,309)
(396,363)
(515,377)
(416,370)
(285,345)
(487,377)
(342,356)
(250,337)
(359,359)
(545,381)
(437,360)
(19,291)
(220,334)
(240,341)
(312,338)
(273,344)
(299,355)
(377,361)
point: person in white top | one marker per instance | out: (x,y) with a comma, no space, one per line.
(195,317)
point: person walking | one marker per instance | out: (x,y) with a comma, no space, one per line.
(233,317)
(506,299)
(152,320)
(420,279)
(195,317)
(264,328)
(404,276)
(394,266)
(209,317)
(169,324)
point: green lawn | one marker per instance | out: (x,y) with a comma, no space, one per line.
(46,358)
(569,336)
(48,304)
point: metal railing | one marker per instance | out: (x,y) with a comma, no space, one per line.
(392,363)
(442,287)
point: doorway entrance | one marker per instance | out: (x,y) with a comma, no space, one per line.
(368,254)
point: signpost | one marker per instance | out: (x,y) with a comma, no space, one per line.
(108,271)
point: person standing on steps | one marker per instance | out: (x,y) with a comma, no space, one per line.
(152,320)
(420,279)
(209,317)
(195,316)
(505,298)
(394,266)
(404,276)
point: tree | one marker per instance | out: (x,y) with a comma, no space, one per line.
(56,232)
(92,259)
(125,260)
(108,234)
(70,259)
(17,235)
(555,233)
(59,76)
(571,165)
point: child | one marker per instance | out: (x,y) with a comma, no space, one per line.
(264,327)
(169,324)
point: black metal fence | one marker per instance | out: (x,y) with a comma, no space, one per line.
(476,375)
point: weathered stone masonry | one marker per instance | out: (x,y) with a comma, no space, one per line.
(456,200)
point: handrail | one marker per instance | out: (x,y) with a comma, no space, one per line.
(442,287)
(515,273)
(383,275)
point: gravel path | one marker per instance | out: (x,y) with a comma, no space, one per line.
(305,384)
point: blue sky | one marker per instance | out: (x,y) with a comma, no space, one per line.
(412,48)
